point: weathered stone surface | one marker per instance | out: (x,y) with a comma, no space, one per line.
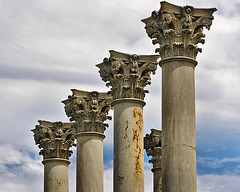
(54,139)
(88,110)
(178,125)
(128,74)
(90,162)
(128,145)
(178,30)
(56,175)
(153,147)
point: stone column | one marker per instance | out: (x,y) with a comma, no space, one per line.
(178,30)
(54,139)
(153,147)
(89,110)
(128,75)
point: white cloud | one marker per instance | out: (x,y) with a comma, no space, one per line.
(19,171)
(213,183)
(108,180)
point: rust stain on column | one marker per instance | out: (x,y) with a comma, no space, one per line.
(137,113)
(59,182)
(138,168)
(136,137)
(55,183)
(126,135)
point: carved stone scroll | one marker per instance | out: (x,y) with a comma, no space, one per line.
(88,110)
(128,74)
(54,139)
(178,30)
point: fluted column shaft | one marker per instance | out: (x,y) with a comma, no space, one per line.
(128,145)
(178,125)
(90,162)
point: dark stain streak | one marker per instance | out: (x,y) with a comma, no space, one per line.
(126,135)
(120,179)
(136,138)
(55,183)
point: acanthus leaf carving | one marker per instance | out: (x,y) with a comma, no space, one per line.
(88,110)
(178,30)
(127,75)
(54,139)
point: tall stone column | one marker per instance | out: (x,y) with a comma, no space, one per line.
(153,147)
(178,30)
(89,110)
(128,75)
(54,139)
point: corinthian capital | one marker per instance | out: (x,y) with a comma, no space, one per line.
(178,30)
(153,147)
(54,139)
(127,74)
(89,110)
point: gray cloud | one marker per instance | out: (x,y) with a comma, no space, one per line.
(44,74)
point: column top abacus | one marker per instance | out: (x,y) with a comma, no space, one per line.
(54,139)
(88,110)
(128,74)
(178,30)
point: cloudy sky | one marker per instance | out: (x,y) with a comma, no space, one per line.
(49,47)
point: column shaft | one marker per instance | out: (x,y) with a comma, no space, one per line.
(128,145)
(157,180)
(56,175)
(178,125)
(90,162)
